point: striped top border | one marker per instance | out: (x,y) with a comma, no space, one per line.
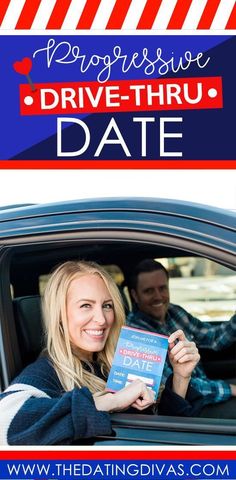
(108,15)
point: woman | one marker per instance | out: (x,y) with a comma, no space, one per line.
(61,397)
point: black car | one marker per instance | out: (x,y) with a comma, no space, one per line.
(195,242)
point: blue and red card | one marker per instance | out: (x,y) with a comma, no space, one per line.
(139,354)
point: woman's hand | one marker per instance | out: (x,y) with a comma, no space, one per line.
(183,357)
(136,395)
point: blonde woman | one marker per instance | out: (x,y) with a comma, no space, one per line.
(61,397)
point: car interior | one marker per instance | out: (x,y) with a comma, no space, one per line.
(27,268)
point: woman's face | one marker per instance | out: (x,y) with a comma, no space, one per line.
(90,314)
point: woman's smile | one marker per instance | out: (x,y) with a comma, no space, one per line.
(95,333)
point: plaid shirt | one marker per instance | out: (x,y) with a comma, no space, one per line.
(203,334)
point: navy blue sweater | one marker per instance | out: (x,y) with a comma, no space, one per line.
(35,410)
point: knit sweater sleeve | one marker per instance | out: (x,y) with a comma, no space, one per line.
(35,411)
(174,405)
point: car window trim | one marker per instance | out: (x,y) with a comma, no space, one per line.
(213,252)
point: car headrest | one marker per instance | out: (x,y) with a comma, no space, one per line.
(124,299)
(29,326)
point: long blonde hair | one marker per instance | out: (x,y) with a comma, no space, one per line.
(64,357)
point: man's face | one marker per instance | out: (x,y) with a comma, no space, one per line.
(152,294)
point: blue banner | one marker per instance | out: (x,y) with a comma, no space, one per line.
(65,97)
(118,469)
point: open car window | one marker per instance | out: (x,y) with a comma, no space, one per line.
(203,287)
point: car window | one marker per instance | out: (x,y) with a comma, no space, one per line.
(115,272)
(42,283)
(113,269)
(203,287)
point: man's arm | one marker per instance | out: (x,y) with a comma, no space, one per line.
(207,335)
(213,391)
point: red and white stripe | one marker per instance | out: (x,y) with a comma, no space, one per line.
(118,15)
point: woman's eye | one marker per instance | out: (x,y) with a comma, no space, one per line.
(85,305)
(108,306)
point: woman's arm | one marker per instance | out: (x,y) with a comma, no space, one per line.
(34,410)
(179,398)
(172,404)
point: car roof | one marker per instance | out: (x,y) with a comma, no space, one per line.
(183,220)
(156,205)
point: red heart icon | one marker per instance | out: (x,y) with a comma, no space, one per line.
(24,66)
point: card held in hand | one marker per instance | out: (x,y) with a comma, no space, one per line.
(139,354)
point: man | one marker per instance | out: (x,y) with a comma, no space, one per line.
(149,287)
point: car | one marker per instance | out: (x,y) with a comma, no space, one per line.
(195,242)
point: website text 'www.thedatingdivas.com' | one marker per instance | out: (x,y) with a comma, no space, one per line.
(118,470)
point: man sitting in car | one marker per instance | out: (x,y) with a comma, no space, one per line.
(149,287)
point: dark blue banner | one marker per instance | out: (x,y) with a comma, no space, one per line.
(193,133)
(118,470)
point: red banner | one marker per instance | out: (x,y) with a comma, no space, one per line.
(121,96)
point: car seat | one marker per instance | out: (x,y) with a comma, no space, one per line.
(29,327)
